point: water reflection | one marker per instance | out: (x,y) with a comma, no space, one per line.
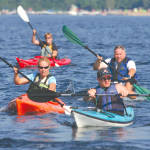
(98,133)
(44,128)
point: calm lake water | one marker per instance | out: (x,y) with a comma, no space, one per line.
(55,131)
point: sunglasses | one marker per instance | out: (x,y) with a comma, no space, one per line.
(48,38)
(40,67)
(107,77)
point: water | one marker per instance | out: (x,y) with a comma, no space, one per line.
(55,131)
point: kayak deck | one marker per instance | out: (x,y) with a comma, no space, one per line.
(84,118)
(25,106)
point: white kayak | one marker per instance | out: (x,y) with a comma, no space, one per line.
(93,118)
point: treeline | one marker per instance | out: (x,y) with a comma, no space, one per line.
(81,4)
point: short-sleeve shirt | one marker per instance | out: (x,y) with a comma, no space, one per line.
(51,79)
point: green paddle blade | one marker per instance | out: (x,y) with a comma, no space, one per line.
(71,36)
(141,90)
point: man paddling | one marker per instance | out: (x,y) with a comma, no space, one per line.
(43,78)
(108,103)
(48,47)
(122,67)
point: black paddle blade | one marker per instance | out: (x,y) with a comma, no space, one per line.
(42,95)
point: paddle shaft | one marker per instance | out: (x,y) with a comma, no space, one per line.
(84,93)
(76,94)
(86,47)
(10,65)
(36,33)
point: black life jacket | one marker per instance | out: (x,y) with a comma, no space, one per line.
(39,93)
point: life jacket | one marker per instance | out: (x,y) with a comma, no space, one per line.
(109,103)
(121,70)
(41,82)
(47,49)
(39,86)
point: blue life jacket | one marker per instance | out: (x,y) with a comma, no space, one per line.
(109,103)
(121,70)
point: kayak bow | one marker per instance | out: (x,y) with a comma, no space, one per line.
(86,118)
(26,106)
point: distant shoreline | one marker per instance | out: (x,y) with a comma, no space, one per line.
(134,12)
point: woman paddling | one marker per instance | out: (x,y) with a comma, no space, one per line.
(48,47)
(43,78)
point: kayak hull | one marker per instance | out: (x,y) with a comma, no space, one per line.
(86,118)
(25,106)
(34,61)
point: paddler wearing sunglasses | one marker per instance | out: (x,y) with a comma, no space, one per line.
(122,67)
(43,76)
(105,86)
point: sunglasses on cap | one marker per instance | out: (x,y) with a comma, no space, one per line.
(106,77)
(40,67)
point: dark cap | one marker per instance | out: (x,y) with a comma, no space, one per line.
(103,72)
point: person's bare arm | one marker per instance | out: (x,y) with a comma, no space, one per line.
(18,80)
(52,87)
(132,72)
(55,53)
(121,89)
(91,97)
(34,40)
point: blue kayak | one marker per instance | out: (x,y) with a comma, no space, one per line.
(87,118)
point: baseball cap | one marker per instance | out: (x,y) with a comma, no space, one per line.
(103,72)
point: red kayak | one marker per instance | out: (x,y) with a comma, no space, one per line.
(33,62)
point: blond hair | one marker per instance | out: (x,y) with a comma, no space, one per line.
(44,58)
(48,34)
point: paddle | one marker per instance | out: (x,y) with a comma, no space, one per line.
(142,90)
(81,93)
(74,39)
(23,15)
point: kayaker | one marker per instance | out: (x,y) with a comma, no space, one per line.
(42,77)
(108,103)
(48,47)
(122,67)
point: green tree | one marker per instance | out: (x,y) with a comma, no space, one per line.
(110,4)
(83,4)
(146,4)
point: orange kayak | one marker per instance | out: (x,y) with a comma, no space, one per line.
(26,106)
